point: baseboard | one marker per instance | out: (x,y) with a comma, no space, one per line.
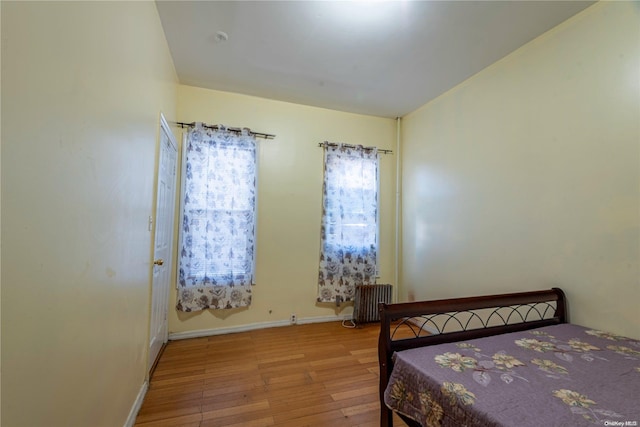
(422,324)
(131,419)
(253,326)
(323,319)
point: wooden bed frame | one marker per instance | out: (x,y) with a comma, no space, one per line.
(418,324)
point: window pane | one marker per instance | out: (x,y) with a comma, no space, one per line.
(349,224)
(219,212)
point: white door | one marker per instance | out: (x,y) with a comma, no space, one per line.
(163,241)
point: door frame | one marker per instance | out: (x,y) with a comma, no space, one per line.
(164,128)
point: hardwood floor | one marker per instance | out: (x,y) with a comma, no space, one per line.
(304,375)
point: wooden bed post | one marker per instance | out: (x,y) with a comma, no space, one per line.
(384,359)
(561,307)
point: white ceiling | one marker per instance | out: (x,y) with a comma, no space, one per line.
(382,58)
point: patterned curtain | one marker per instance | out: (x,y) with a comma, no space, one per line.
(349,244)
(216,254)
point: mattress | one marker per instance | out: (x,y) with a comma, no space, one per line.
(561,375)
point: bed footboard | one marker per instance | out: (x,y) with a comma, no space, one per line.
(418,324)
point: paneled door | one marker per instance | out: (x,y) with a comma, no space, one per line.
(163,240)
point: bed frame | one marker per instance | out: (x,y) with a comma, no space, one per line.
(418,324)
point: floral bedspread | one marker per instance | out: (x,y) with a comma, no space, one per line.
(562,375)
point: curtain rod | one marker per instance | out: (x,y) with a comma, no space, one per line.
(230,129)
(335,144)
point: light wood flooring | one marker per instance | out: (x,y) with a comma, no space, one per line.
(303,375)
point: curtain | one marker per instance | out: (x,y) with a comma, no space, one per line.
(216,253)
(348,253)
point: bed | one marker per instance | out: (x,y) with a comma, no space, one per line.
(503,360)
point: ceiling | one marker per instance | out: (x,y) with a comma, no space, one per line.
(381,58)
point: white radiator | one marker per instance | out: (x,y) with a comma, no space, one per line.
(365,307)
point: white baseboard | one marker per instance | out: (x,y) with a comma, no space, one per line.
(254,326)
(131,419)
(323,319)
(422,324)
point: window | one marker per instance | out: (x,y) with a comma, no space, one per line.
(217,243)
(349,233)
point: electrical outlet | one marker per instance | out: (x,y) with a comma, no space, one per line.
(293,319)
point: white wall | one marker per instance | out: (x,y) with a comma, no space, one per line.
(527,175)
(83,84)
(290,203)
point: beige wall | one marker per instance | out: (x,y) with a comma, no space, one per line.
(289,202)
(83,84)
(528,175)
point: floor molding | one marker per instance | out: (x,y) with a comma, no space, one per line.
(253,326)
(421,323)
(131,419)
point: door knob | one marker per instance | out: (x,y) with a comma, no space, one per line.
(158,262)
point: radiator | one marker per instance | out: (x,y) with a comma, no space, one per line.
(365,307)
